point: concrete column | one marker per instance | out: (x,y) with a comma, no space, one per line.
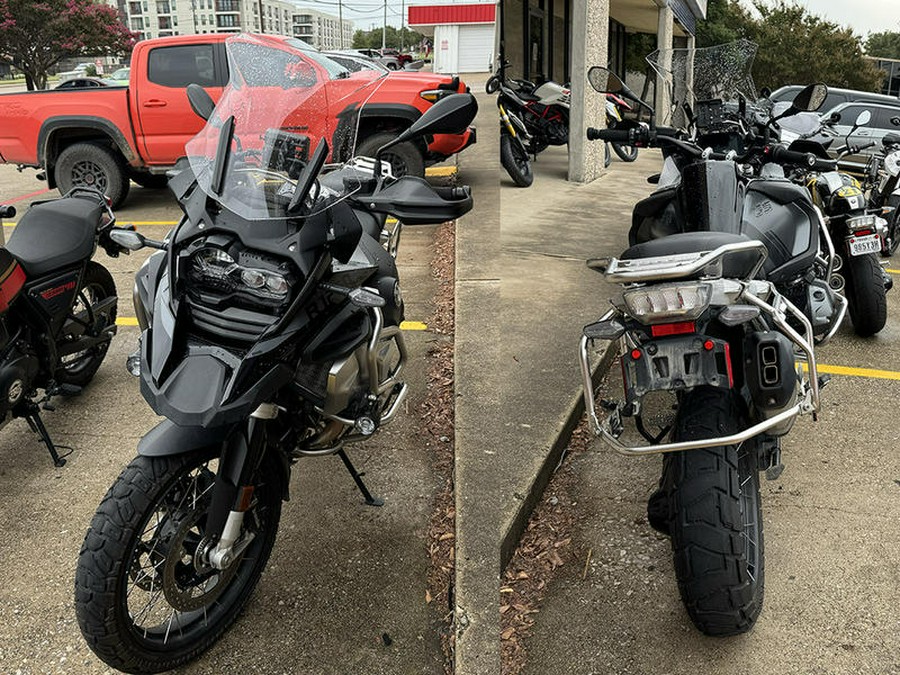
(590,35)
(664,32)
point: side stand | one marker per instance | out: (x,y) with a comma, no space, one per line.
(33,417)
(357,478)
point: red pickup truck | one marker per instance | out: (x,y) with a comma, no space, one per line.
(105,136)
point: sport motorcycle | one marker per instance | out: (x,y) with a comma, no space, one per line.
(57,306)
(270,331)
(724,288)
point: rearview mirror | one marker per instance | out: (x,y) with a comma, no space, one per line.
(811,97)
(201,102)
(863,119)
(605,81)
(451,115)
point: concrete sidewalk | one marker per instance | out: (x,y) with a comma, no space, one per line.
(523,293)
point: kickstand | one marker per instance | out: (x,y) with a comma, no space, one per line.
(357,477)
(37,426)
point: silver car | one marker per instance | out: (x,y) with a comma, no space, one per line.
(877,128)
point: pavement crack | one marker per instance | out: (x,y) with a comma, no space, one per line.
(558,256)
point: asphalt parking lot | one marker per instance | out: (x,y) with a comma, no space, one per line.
(345,589)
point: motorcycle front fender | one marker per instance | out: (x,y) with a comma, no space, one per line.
(167,438)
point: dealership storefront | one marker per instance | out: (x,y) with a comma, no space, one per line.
(560,39)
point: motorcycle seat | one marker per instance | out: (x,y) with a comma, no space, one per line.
(55,234)
(891,139)
(737,265)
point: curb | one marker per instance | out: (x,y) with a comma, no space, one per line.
(551,461)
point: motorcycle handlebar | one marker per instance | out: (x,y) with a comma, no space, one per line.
(611,135)
(782,155)
(7,211)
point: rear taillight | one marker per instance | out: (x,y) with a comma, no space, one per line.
(667,303)
(679,328)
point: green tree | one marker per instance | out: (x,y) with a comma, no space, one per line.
(371,39)
(36,35)
(884,45)
(796,47)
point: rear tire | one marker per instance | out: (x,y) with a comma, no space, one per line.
(96,285)
(715,518)
(405,158)
(94,166)
(138,558)
(865,294)
(514,158)
(627,153)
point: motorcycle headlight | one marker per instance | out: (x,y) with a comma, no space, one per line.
(216,268)
(667,302)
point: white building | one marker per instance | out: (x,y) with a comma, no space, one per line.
(162,18)
(322,31)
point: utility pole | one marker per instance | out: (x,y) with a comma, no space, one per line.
(402,22)
(341,21)
(384,29)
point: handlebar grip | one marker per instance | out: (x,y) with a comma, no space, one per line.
(670,132)
(7,211)
(612,135)
(807,159)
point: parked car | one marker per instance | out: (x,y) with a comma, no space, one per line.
(77,71)
(104,136)
(356,62)
(835,96)
(402,59)
(82,82)
(389,62)
(878,127)
(120,75)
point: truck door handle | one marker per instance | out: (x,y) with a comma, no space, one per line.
(155,103)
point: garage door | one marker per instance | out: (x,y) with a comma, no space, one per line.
(476,46)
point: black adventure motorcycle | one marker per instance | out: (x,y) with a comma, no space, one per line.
(514,135)
(271,331)
(57,306)
(724,287)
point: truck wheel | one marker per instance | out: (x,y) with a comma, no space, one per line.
(92,165)
(405,158)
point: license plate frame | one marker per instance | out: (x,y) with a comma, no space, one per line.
(675,364)
(870,243)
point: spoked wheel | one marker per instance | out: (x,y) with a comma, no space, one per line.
(146,597)
(514,158)
(714,517)
(627,153)
(866,294)
(96,285)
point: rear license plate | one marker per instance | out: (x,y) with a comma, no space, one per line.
(870,243)
(676,363)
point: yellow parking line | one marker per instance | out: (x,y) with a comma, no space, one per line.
(136,223)
(406,325)
(857,372)
(441,171)
(891,271)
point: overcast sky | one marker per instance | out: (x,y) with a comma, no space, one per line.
(863,16)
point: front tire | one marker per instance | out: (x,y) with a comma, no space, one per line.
(715,518)
(866,294)
(93,166)
(514,158)
(405,158)
(144,600)
(96,285)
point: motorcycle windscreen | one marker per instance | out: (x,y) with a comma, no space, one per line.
(287,112)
